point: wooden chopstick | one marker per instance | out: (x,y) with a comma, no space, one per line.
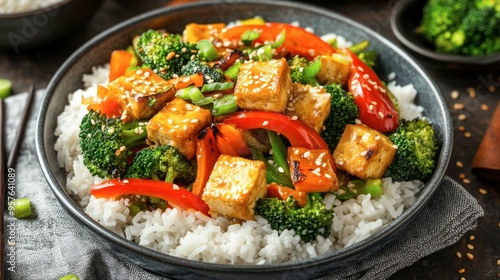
(2,183)
(11,162)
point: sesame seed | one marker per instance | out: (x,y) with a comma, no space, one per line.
(461,176)
(483,191)
(380,114)
(498,262)
(484,107)
(306,154)
(470,256)
(455,94)
(342,163)
(363,153)
(170,55)
(458,106)
(491,88)
(264,123)
(194,121)
(461,270)
(462,117)
(462,278)
(472,92)
(459,255)
(357,121)
(470,246)
(460,164)
(281,170)
(466,181)
(461,128)
(361,69)
(370,107)
(328,176)
(377,137)
(295,118)
(472,237)
(467,134)
(395,146)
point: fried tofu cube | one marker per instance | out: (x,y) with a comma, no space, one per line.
(178,125)
(195,32)
(141,93)
(309,104)
(234,186)
(333,70)
(364,152)
(263,85)
(311,170)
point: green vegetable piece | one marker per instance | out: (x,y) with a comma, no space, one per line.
(280,39)
(374,187)
(360,47)
(217,86)
(5,88)
(233,71)
(224,105)
(22,207)
(279,153)
(207,50)
(264,53)
(249,36)
(71,276)
(311,70)
(134,208)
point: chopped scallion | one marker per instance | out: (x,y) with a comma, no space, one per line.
(224,105)
(233,71)
(249,36)
(207,50)
(22,207)
(217,86)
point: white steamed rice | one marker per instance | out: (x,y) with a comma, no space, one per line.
(194,236)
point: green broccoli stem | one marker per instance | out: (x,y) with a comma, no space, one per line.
(171,175)
(134,134)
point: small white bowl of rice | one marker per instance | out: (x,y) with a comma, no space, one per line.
(31,23)
(184,244)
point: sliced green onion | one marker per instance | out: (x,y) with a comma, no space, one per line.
(5,88)
(272,173)
(249,36)
(233,71)
(134,208)
(280,39)
(311,70)
(22,207)
(207,50)
(359,47)
(279,152)
(264,53)
(194,95)
(374,187)
(217,86)
(224,105)
(71,276)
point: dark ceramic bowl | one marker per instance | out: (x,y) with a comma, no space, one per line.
(34,28)
(405,21)
(97,52)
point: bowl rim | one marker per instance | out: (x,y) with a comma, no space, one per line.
(343,254)
(395,22)
(35,11)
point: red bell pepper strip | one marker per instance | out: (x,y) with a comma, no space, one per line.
(297,39)
(119,63)
(172,193)
(376,109)
(107,103)
(298,133)
(207,154)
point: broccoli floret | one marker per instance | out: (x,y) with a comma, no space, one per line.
(299,70)
(106,143)
(164,53)
(210,74)
(478,34)
(442,16)
(415,157)
(161,163)
(308,222)
(463,26)
(343,111)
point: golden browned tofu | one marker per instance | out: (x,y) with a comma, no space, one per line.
(234,187)
(195,32)
(309,104)
(333,70)
(141,93)
(178,125)
(311,170)
(264,85)
(364,152)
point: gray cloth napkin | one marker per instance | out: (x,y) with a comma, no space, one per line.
(52,244)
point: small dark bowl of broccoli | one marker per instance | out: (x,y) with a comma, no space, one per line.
(455,32)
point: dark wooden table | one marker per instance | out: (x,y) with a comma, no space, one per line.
(479,92)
